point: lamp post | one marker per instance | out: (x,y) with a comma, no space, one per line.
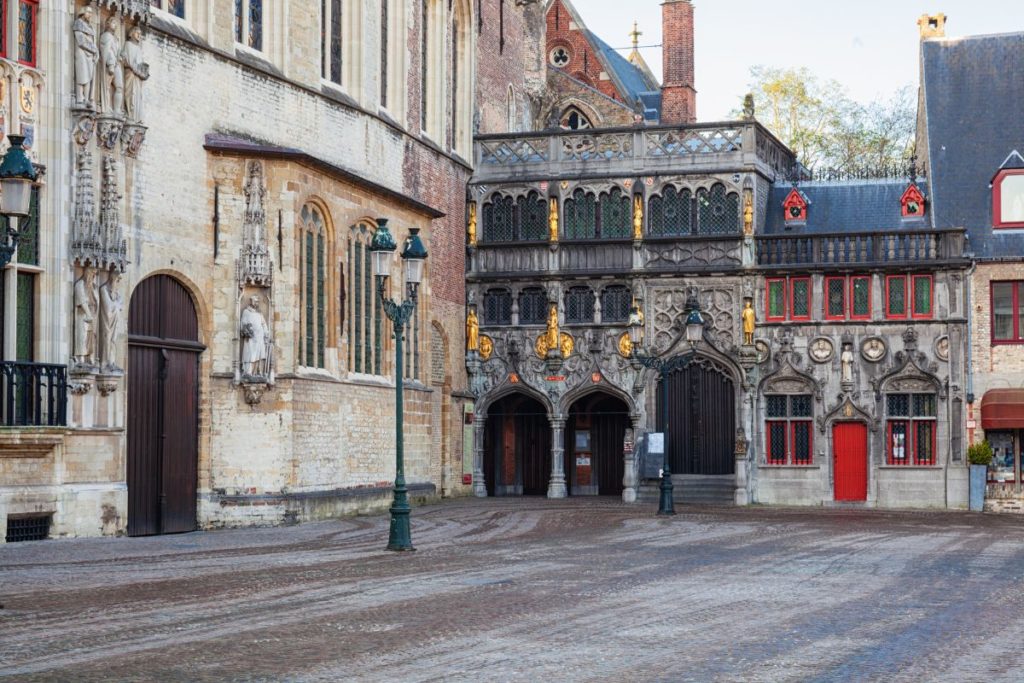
(17,173)
(694,330)
(413,255)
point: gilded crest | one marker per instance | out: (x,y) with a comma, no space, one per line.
(486,347)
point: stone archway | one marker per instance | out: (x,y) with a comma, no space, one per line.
(594,436)
(517,447)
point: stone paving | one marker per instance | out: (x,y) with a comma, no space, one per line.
(530,590)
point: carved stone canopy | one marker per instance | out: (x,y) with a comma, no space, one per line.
(846,409)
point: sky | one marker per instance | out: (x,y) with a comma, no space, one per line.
(869,46)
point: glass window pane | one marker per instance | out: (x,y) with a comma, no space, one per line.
(898,404)
(238,21)
(321,310)
(580,216)
(718,211)
(579,305)
(498,224)
(861,305)
(922,295)
(836,297)
(256,24)
(924,405)
(336,41)
(897,295)
(26,306)
(776,406)
(1002,310)
(177,8)
(776,299)
(801,297)
(616,214)
(1011,199)
(924,451)
(308,294)
(615,302)
(669,213)
(777,442)
(27,32)
(357,306)
(800,406)
(498,307)
(533,216)
(801,443)
(897,443)
(28,231)
(532,306)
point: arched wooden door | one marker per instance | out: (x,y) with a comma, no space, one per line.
(593,445)
(517,447)
(701,430)
(163,408)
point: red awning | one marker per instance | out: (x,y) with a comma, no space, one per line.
(1002,409)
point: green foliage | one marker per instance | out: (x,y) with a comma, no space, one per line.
(825,128)
(979,453)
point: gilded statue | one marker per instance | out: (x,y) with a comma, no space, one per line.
(471,227)
(565,345)
(748,322)
(551,338)
(486,347)
(472,331)
(748,215)
(553,220)
(638,217)
(625,345)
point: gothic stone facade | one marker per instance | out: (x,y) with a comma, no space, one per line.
(852,387)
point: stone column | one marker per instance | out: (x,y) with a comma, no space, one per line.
(479,485)
(742,450)
(629,462)
(556,485)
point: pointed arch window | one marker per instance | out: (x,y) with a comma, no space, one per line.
(384,47)
(506,219)
(718,211)
(364,313)
(574,119)
(331,12)
(313,282)
(668,213)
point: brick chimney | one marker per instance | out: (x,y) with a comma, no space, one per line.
(932,26)
(678,97)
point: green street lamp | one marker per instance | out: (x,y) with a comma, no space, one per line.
(17,174)
(382,248)
(694,331)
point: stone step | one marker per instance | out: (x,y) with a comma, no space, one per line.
(702,490)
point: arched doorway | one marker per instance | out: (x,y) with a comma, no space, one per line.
(701,429)
(517,447)
(163,408)
(593,445)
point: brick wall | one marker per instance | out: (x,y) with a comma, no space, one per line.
(678,97)
(584,64)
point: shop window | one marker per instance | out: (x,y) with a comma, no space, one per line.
(498,307)
(1007,312)
(1004,467)
(579,305)
(910,429)
(1008,199)
(533,306)
(788,431)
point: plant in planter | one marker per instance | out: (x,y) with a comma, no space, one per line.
(980,457)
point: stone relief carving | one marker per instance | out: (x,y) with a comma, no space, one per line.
(254,274)
(718,307)
(86,56)
(85,320)
(786,376)
(256,342)
(111,305)
(910,371)
(112,68)
(135,72)
(942,348)
(873,349)
(846,408)
(821,350)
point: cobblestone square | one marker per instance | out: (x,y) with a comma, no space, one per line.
(529,590)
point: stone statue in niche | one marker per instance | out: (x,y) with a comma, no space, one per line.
(256,341)
(472,331)
(86,56)
(551,336)
(85,318)
(846,361)
(112,76)
(135,72)
(749,318)
(111,305)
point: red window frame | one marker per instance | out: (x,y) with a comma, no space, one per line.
(792,298)
(911,295)
(997,195)
(906,308)
(34,5)
(1015,302)
(911,450)
(768,298)
(825,298)
(3,34)
(851,298)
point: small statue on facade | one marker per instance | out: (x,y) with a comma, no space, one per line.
(471,225)
(749,319)
(551,337)
(472,331)
(85,318)
(638,217)
(748,214)
(111,305)
(86,56)
(135,71)
(846,361)
(748,106)
(553,220)
(112,83)
(255,340)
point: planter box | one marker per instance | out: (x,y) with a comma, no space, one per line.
(979,475)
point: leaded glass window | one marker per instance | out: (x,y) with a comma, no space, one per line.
(573,119)
(718,211)
(175,7)
(615,302)
(27,10)
(800,296)
(616,218)
(533,217)
(384,53)
(788,429)
(249,23)
(896,296)
(911,429)
(922,296)
(330,37)
(669,213)
(365,330)
(580,216)
(424,61)
(835,297)
(498,219)
(579,305)
(314,285)
(533,306)
(860,305)
(26,320)
(498,307)
(776,299)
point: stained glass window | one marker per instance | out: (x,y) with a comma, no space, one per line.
(425,26)
(356,319)
(330,40)
(364,319)
(314,286)
(239,21)
(615,302)
(175,7)
(579,305)
(533,306)
(616,214)
(580,212)
(27,31)
(336,41)
(249,23)
(669,213)
(718,211)
(776,295)
(498,307)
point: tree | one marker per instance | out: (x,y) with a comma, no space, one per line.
(825,128)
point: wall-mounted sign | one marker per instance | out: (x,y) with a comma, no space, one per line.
(656,443)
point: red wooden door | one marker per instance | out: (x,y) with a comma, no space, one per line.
(850,446)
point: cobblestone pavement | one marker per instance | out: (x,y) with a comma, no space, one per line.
(530,590)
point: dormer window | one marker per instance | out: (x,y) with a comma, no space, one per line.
(1008,199)
(912,203)
(795,208)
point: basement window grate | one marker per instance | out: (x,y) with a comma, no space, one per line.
(31,528)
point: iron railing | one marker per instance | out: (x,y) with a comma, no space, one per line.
(33,394)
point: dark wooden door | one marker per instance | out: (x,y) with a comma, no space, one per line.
(163,408)
(850,446)
(605,418)
(701,430)
(517,446)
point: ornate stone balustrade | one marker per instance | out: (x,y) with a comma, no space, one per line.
(868,248)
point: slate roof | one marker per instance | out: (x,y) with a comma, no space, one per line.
(846,206)
(974,113)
